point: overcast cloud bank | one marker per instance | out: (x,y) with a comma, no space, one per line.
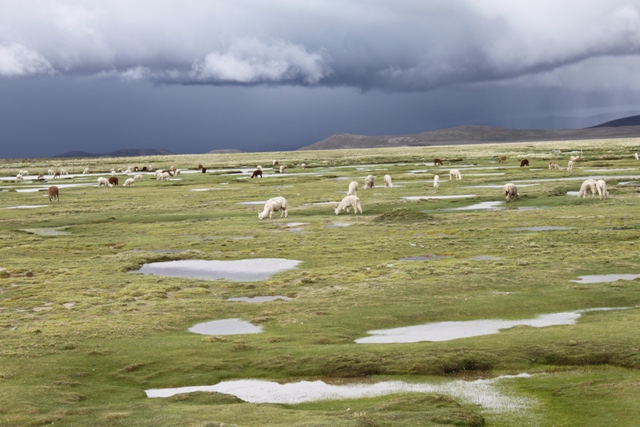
(392,46)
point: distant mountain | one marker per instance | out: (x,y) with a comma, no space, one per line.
(475,135)
(626,121)
(124,152)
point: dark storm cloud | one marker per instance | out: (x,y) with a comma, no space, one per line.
(390,45)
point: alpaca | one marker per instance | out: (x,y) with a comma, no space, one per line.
(387,181)
(524,163)
(503,159)
(601,186)
(54,193)
(437,162)
(554,165)
(274,205)
(588,186)
(353,188)
(510,192)
(113,180)
(570,166)
(256,174)
(349,202)
(436,181)
(369,182)
(455,173)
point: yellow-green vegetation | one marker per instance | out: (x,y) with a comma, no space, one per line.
(81,338)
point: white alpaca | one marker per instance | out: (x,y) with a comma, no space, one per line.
(85,171)
(275,163)
(387,181)
(353,188)
(64,172)
(637,157)
(274,205)
(436,181)
(163,176)
(104,182)
(588,186)
(137,177)
(510,192)
(303,165)
(455,173)
(570,165)
(176,172)
(369,182)
(554,165)
(281,169)
(129,182)
(259,167)
(51,172)
(601,186)
(19,177)
(349,202)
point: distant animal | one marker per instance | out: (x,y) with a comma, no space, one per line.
(135,169)
(204,170)
(85,171)
(113,180)
(163,176)
(524,163)
(570,165)
(259,167)
(129,182)
(50,171)
(503,159)
(41,176)
(303,165)
(281,168)
(256,174)
(137,178)
(369,182)
(56,175)
(104,182)
(510,192)
(19,177)
(455,173)
(200,166)
(276,163)
(54,193)
(601,186)
(554,165)
(436,181)
(274,205)
(637,157)
(353,188)
(387,181)
(144,169)
(349,202)
(437,162)
(589,186)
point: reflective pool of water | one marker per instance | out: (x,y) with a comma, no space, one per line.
(259,299)
(225,327)
(249,270)
(605,278)
(446,331)
(424,258)
(483,392)
(479,206)
(454,196)
(542,228)
(47,231)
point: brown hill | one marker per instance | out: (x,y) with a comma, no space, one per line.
(472,135)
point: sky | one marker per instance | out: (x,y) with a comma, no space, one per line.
(192,76)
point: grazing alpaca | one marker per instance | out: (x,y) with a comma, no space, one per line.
(436,181)
(510,192)
(570,165)
(455,173)
(637,157)
(259,167)
(503,159)
(54,193)
(601,186)
(387,181)
(369,182)
(274,205)
(85,171)
(554,165)
(437,162)
(281,168)
(588,186)
(129,182)
(524,163)
(56,175)
(353,188)
(113,180)
(256,173)
(200,166)
(103,182)
(276,163)
(303,165)
(137,178)
(349,202)
(204,170)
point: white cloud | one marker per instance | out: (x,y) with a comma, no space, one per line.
(17,60)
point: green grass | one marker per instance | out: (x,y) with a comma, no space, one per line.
(82,338)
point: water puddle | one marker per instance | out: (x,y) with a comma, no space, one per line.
(480,206)
(572,193)
(163,251)
(486,258)
(295,224)
(250,270)
(447,331)
(47,231)
(262,202)
(26,207)
(455,196)
(339,225)
(499,186)
(606,278)
(259,299)
(485,393)
(225,327)
(542,228)
(424,258)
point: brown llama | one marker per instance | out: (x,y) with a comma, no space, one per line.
(256,173)
(54,193)
(113,180)
(437,162)
(503,159)
(524,163)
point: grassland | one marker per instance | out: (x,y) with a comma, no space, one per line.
(81,338)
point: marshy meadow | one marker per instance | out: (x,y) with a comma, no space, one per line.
(436,306)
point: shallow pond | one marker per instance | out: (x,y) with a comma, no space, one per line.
(454,196)
(486,258)
(250,270)
(542,228)
(339,225)
(424,258)
(225,327)
(46,231)
(260,202)
(259,299)
(26,207)
(606,278)
(480,206)
(447,331)
(485,393)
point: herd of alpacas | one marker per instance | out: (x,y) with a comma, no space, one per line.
(351,201)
